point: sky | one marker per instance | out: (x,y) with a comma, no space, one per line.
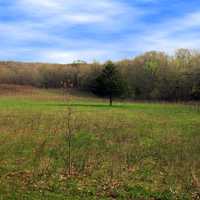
(63,31)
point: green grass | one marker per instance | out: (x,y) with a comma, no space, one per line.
(127,151)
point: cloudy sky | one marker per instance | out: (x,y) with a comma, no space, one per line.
(66,30)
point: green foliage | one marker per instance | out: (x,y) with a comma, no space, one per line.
(151,76)
(109,83)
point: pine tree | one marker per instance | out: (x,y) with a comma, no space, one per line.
(109,83)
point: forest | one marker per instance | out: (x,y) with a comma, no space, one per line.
(153,75)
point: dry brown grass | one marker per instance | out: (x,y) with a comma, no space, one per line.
(11,90)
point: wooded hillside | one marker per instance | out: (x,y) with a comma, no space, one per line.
(151,76)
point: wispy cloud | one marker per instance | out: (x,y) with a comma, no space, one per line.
(67,30)
(74,12)
(178,32)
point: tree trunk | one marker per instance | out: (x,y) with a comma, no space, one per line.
(111,100)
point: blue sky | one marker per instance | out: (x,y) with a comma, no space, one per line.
(61,31)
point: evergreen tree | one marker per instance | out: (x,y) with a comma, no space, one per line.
(109,83)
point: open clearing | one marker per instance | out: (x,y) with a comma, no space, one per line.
(128,151)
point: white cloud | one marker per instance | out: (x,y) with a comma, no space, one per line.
(45,23)
(64,56)
(74,12)
(170,35)
(45,31)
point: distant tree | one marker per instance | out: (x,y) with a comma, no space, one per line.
(109,83)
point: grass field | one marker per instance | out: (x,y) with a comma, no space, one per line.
(128,151)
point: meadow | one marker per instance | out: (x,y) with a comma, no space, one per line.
(59,145)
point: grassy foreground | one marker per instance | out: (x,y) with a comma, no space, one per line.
(128,151)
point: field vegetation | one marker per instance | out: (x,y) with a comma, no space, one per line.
(57,144)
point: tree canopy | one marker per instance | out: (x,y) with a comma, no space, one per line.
(151,76)
(109,83)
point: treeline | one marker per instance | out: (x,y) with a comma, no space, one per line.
(151,76)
